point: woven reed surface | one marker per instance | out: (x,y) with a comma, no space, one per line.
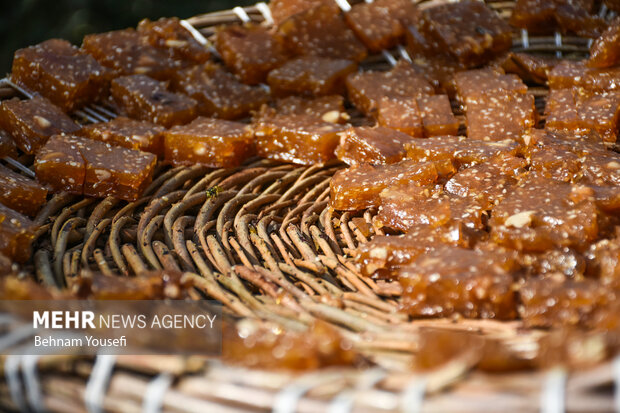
(236,228)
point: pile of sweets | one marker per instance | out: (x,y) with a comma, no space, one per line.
(511,214)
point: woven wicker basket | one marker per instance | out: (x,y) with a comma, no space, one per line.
(302,247)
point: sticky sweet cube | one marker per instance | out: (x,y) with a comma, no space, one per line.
(449,280)
(604,51)
(384,255)
(499,117)
(127,53)
(250,51)
(327,108)
(64,74)
(602,80)
(547,16)
(530,68)
(116,171)
(31,122)
(460,150)
(401,114)
(541,213)
(406,205)
(567,73)
(580,109)
(374,145)
(471,31)
(92,168)
(218,92)
(320,31)
(216,143)
(147,99)
(437,116)
(359,186)
(283,9)
(365,89)
(128,133)
(59,164)
(492,179)
(169,34)
(486,82)
(311,75)
(381,24)
(22,194)
(16,234)
(559,303)
(300,139)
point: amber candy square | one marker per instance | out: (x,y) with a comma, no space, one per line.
(406,205)
(401,114)
(469,30)
(61,72)
(567,74)
(536,16)
(128,133)
(556,162)
(603,80)
(31,122)
(462,151)
(500,117)
(327,108)
(547,16)
(16,234)
(492,179)
(127,53)
(381,24)
(602,169)
(359,186)
(115,171)
(604,51)
(551,302)
(250,51)
(486,82)
(147,99)
(22,194)
(384,255)
(582,110)
(437,116)
(561,110)
(365,89)
(218,92)
(530,68)
(295,138)
(217,143)
(542,213)
(376,145)
(60,165)
(600,112)
(320,31)
(88,167)
(311,75)
(167,33)
(451,280)
(283,9)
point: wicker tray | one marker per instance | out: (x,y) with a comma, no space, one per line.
(269,225)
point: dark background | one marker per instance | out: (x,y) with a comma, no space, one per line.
(27,22)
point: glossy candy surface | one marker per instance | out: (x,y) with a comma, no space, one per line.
(61,72)
(216,143)
(147,99)
(31,122)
